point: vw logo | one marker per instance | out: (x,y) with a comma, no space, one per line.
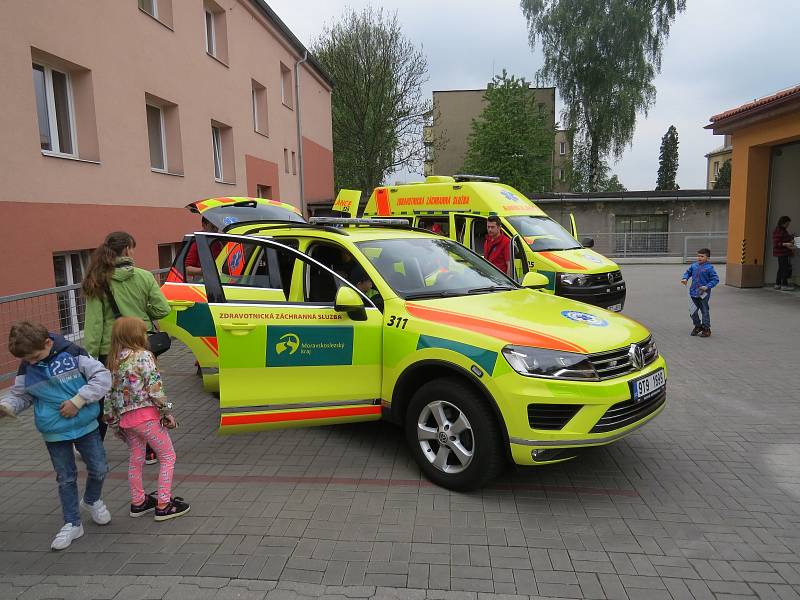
(610,278)
(636,356)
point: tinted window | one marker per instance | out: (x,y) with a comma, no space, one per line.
(542,233)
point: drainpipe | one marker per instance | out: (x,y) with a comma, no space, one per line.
(300,131)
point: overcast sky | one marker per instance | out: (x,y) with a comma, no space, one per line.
(720,54)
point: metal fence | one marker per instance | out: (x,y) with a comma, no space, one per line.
(676,245)
(60,309)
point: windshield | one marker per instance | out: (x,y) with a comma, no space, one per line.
(542,233)
(433,268)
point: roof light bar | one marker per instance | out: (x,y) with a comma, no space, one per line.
(466,177)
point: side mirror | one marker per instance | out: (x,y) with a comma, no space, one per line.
(534,281)
(348,301)
(587,242)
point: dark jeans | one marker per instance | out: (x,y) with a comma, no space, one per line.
(62,456)
(784,271)
(701,316)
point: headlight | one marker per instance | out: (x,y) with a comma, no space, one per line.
(536,362)
(573,279)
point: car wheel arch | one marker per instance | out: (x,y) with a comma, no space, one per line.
(415,375)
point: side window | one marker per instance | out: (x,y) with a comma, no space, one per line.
(321,286)
(439,225)
(478,235)
(461,225)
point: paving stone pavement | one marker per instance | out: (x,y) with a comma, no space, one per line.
(702,503)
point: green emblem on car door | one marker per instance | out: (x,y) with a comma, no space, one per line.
(309,346)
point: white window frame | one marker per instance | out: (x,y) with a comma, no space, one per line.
(216,146)
(154,4)
(716,169)
(163,132)
(562,148)
(211,44)
(50,102)
(75,331)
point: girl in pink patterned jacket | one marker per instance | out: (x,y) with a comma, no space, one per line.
(138,410)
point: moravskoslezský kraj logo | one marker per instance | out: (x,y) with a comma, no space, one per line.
(585,318)
(288,341)
(309,346)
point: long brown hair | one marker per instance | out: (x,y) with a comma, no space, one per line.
(102,263)
(128,333)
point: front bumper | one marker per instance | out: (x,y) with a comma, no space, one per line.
(596,403)
(602,296)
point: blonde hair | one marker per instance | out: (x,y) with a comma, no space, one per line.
(128,333)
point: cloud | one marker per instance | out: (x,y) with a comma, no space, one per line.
(721,53)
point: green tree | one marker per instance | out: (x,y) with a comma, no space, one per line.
(511,138)
(668,161)
(377,103)
(602,56)
(578,173)
(723,181)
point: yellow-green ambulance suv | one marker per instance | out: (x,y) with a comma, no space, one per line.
(458,207)
(349,320)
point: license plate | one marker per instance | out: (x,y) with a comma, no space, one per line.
(615,307)
(648,386)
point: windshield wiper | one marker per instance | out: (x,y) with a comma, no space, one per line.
(490,288)
(437,294)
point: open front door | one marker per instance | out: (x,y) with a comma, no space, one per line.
(287,357)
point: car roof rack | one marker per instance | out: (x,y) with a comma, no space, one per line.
(467,177)
(358,221)
(263,225)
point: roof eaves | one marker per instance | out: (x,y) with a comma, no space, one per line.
(292,38)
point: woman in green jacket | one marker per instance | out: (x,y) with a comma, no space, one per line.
(111,270)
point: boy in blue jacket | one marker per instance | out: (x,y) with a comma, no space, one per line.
(64,384)
(703,277)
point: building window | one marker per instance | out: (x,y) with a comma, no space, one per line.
(286,85)
(215,31)
(160,10)
(69,268)
(641,234)
(167,254)
(264,191)
(216,140)
(562,148)
(560,173)
(294,163)
(56,111)
(286,160)
(259,98)
(716,169)
(150,7)
(222,147)
(157,138)
(163,135)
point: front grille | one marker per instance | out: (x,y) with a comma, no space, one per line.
(618,362)
(628,412)
(602,278)
(551,416)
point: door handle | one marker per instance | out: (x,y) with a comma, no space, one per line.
(237,328)
(179,305)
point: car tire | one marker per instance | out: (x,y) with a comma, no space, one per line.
(454,435)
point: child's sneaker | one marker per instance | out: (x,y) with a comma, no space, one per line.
(148,505)
(99,512)
(176,508)
(777,286)
(64,538)
(150,458)
(697,329)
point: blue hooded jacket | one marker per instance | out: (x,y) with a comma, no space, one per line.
(701,275)
(68,373)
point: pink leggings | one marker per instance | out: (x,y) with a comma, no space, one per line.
(155,434)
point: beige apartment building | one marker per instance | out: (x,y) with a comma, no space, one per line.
(446,135)
(715,159)
(138,108)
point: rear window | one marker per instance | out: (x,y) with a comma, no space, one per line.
(227,216)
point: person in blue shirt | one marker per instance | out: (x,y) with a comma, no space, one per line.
(703,277)
(64,384)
